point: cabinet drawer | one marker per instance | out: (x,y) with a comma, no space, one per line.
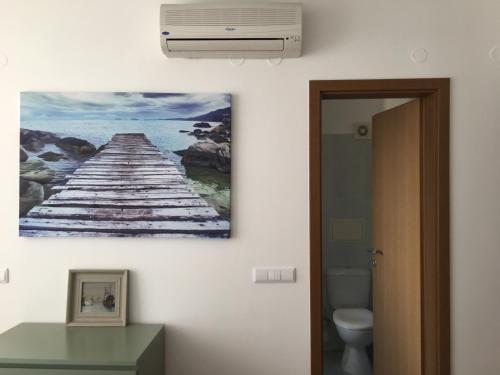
(34,371)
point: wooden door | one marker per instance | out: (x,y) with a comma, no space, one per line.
(396,233)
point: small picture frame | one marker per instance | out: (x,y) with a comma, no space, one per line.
(97,298)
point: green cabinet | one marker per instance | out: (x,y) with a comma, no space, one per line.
(55,349)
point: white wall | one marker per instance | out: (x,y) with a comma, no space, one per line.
(338,116)
(346,173)
(218,321)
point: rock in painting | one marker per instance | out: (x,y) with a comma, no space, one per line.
(199,134)
(77,146)
(208,154)
(34,146)
(24,155)
(35,170)
(31,193)
(101,147)
(35,140)
(224,158)
(51,156)
(218,129)
(220,134)
(29,136)
(202,125)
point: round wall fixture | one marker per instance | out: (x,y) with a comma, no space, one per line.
(495,54)
(419,55)
(362,130)
(4,60)
(237,62)
(275,61)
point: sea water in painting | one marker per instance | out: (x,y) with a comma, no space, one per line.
(125,164)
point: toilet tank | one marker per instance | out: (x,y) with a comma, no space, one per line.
(348,287)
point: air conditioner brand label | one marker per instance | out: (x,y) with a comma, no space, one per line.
(230,28)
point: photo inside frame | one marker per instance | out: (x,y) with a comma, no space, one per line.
(98,298)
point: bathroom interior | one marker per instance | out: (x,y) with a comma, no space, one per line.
(347,233)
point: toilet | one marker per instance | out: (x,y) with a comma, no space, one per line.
(349,296)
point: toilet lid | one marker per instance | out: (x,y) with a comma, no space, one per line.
(353,319)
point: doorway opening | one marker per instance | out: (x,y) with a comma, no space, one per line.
(379,190)
(348,254)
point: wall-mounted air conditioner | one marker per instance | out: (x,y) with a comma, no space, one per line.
(239,30)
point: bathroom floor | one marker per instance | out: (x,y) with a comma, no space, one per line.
(332,363)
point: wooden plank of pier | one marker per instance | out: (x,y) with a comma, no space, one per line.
(124,187)
(131,203)
(128,189)
(155,213)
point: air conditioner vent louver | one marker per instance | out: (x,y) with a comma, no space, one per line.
(231,17)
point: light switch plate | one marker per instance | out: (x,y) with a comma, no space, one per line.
(259,275)
(4,275)
(274,275)
(288,275)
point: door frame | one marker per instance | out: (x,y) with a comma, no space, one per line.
(435,219)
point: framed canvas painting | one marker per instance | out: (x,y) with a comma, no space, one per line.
(125,164)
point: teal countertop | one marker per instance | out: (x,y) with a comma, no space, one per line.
(56,344)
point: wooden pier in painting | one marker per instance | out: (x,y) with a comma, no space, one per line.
(128,189)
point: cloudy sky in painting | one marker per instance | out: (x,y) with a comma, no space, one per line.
(118,105)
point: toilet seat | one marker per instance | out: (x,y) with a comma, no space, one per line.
(354,319)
